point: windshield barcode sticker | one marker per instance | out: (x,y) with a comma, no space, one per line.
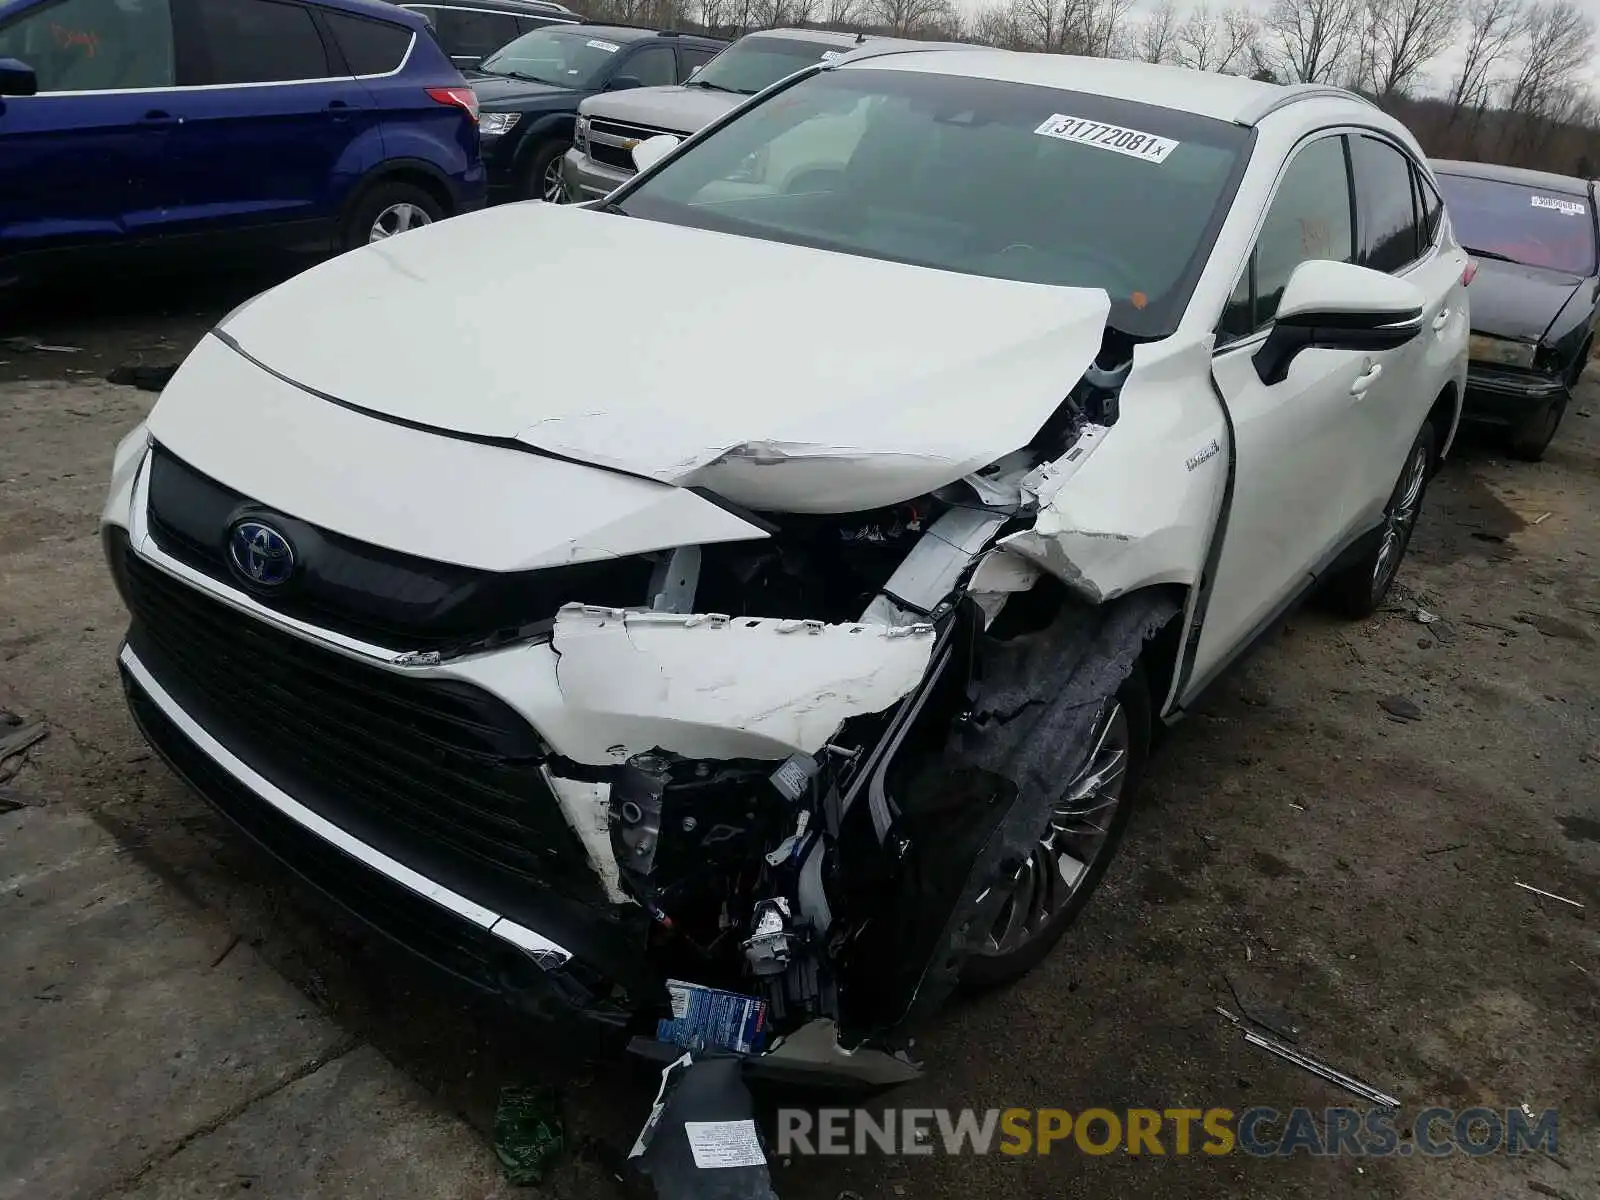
(830,55)
(597,44)
(1572,208)
(1131,142)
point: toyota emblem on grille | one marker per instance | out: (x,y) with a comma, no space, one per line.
(261,554)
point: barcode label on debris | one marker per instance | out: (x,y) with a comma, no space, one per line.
(1132,142)
(680,1002)
(724,1144)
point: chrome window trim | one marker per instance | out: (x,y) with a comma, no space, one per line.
(222,87)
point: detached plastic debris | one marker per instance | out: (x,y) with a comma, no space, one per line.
(700,1141)
(528,1133)
(708,1019)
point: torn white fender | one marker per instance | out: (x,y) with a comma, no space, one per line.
(1134,505)
(999,575)
(709,686)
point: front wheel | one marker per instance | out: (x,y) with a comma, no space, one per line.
(1049,889)
(542,179)
(1358,589)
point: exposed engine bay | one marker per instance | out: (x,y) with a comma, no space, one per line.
(841,886)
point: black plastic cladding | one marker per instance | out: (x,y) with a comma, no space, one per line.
(368,592)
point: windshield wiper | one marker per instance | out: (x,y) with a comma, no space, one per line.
(717,87)
(1494,254)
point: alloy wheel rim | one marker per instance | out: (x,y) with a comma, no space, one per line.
(555,190)
(398,218)
(1076,838)
(1398,520)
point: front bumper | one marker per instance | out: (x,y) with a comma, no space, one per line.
(589,180)
(1502,396)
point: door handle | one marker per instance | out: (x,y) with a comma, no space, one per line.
(160,116)
(1366,380)
(1441,320)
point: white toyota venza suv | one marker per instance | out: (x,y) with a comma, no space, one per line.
(756,596)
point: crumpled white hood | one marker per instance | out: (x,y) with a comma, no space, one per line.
(779,377)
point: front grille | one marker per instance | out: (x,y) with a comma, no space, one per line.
(435,773)
(611,156)
(380,596)
(615,154)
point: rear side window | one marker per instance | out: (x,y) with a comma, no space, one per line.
(259,41)
(1429,207)
(94,45)
(654,66)
(694,57)
(1386,218)
(369,47)
(468,33)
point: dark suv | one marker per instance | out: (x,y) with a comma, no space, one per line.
(529,93)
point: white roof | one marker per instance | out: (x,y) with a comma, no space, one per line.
(1206,93)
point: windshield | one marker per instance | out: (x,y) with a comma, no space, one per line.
(989,178)
(1535,227)
(753,63)
(562,57)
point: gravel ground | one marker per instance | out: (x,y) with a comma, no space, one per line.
(1341,867)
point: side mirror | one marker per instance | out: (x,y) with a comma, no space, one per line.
(17,78)
(652,150)
(1338,306)
(622,83)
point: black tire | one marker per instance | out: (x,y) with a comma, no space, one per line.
(379,199)
(544,160)
(1529,441)
(994,970)
(1358,589)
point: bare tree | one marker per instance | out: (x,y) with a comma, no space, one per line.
(1399,38)
(911,17)
(1101,28)
(1000,25)
(1156,40)
(1559,43)
(1493,27)
(1309,41)
(841,14)
(1212,41)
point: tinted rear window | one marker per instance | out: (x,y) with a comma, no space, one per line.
(985,177)
(1537,227)
(260,41)
(370,47)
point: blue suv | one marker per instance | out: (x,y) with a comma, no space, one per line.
(313,126)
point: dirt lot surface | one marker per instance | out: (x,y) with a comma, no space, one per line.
(181,1019)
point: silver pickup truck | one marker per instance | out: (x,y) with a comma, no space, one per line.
(611,124)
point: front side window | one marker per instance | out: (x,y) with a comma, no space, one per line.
(94,45)
(1535,226)
(759,61)
(1309,218)
(259,41)
(555,55)
(695,57)
(980,176)
(654,66)
(1385,210)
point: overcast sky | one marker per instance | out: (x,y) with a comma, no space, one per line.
(1439,72)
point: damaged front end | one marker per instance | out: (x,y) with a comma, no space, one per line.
(841,741)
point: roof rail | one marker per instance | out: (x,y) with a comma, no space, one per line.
(883,47)
(1292,94)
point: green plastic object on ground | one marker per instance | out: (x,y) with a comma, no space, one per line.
(528,1133)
